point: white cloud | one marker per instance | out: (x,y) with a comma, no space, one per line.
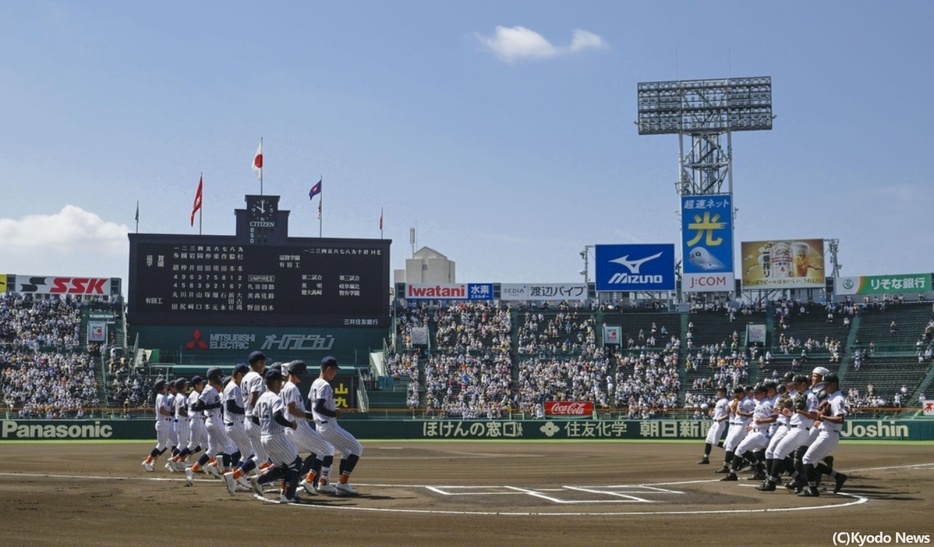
(70,230)
(511,44)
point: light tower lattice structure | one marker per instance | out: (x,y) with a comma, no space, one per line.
(706,113)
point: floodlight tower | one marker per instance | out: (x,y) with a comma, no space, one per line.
(705,111)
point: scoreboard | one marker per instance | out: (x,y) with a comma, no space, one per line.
(324,283)
(260,277)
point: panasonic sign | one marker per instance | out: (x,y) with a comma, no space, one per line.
(635,267)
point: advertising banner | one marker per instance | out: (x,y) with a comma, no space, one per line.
(449,291)
(543,291)
(2,282)
(783,264)
(882,284)
(635,267)
(37,284)
(612,335)
(707,243)
(569,409)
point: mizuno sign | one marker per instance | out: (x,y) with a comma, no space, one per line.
(647,267)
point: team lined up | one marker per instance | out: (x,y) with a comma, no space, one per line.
(255,421)
(781,429)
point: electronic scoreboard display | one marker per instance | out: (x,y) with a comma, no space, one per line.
(220,280)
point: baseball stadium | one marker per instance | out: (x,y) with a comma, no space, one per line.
(654,403)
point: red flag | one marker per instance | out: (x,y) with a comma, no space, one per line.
(258,160)
(197,205)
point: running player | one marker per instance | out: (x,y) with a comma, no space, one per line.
(172,442)
(235,430)
(799,424)
(182,423)
(831,414)
(740,412)
(317,466)
(272,422)
(756,431)
(210,402)
(719,425)
(164,417)
(784,402)
(197,438)
(325,413)
(252,387)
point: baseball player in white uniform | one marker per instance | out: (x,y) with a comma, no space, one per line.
(317,466)
(164,417)
(800,420)
(784,401)
(284,456)
(740,411)
(325,413)
(182,423)
(831,414)
(197,437)
(252,387)
(756,431)
(210,404)
(718,427)
(234,413)
(172,441)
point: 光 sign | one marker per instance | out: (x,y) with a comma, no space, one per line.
(645,267)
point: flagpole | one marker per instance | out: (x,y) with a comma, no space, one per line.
(381,223)
(321,209)
(137,216)
(201,208)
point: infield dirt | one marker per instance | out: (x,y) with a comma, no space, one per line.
(462,493)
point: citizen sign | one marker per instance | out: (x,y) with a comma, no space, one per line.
(568,408)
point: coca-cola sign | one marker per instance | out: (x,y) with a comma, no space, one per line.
(568,408)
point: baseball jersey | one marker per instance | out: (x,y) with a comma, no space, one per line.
(763,410)
(719,410)
(192,399)
(266,407)
(181,404)
(291,394)
(748,406)
(162,401)
(233,391)
(321,389)
(210,396)
(838,408)
(811,406)
(252,382)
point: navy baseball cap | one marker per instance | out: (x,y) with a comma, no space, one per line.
(181,383)
(297,367)
(329,361)
(242,368)
(256,356)
(273,374)
(159,386)
(214,373)
(197,380)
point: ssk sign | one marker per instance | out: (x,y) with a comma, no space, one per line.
(569,408)
(63,285)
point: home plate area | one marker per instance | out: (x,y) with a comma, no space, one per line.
(562,494)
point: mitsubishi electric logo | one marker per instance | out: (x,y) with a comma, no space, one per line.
(635,267)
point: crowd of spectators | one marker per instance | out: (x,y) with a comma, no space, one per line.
(44,371)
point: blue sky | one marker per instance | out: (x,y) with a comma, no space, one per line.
(503,131)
